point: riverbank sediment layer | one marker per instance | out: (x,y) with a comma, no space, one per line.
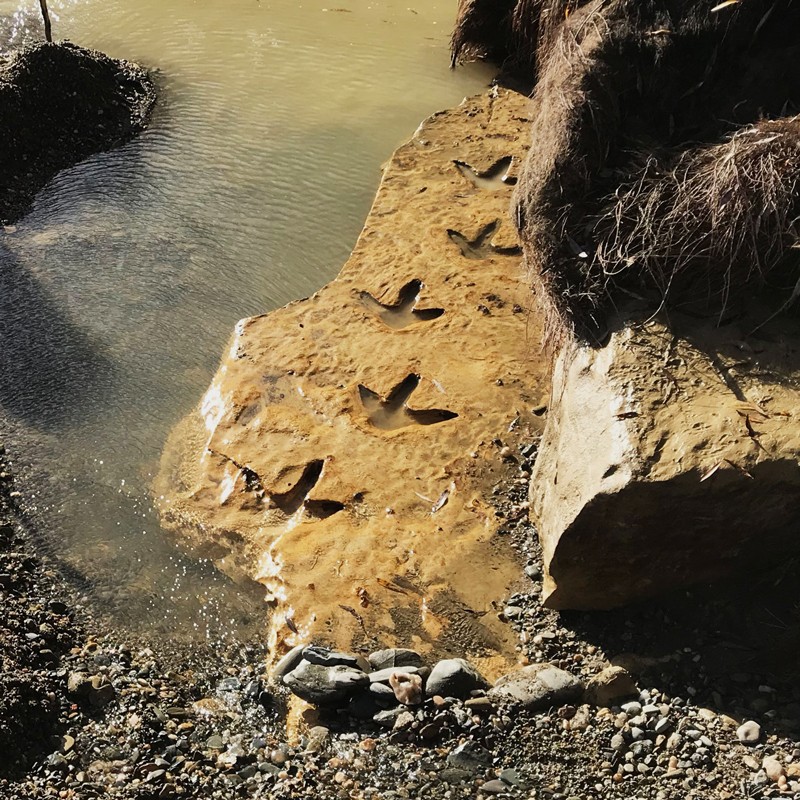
(346,451)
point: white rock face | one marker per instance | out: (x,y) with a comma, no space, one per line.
(668,460)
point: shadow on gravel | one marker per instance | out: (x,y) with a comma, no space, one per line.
(48,366)
(36,629)
(732,647)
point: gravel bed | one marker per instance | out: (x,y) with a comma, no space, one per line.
(711,705)
(59,104)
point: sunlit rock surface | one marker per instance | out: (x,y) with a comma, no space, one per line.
(670,457)
(345,453)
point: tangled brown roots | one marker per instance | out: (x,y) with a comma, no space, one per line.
(716,219)
(662,155)
(507,30)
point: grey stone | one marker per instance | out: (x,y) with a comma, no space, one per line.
(454,775)
(324,686)
(386,719)
(533,572)
(382,691)
(663,726)
(494,787)
(383,675)
(513,778)
(749,732)
(537,687)
(618,742)
(403,721)
(610,686)
(288,663)
(251,690)
(96,690)
(56,761)
(318,738)
(76,681)
(470,756)
(773,767)
(483,704)
(674,742)
(395,657)
(760,779)
(454,677)
(326,657)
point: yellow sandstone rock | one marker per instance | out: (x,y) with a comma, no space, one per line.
(345,453)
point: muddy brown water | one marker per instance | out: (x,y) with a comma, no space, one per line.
(120,289)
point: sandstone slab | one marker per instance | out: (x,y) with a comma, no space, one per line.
(345,452)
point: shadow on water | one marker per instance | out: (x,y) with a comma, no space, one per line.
(48,365)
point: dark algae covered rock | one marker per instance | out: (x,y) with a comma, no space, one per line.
(59,104)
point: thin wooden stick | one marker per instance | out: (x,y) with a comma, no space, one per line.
(48,32)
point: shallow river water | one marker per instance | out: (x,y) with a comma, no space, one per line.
(120,289)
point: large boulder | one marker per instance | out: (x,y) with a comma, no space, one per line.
(668,459)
